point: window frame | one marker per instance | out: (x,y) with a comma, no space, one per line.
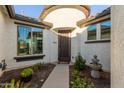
(18,25)
(101,30)
(96,33)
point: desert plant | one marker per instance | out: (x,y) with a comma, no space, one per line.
(80,63)
(12,83)
(6,85)
(17,84)
(82,83)
(21,85)
(26,72)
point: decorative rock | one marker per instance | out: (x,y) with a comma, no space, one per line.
(42,80)
(95,74)
(72,82)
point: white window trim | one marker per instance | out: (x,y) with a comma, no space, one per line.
(31,42)
(98,32)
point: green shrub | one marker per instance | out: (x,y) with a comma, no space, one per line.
(80,63)
(82,83)
(13,84)
(75,74)
(6,85)
(26,72)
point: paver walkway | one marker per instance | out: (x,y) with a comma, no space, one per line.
(59,77)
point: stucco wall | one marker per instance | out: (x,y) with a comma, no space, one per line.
(2,33)
(88,50)
(50,46)
(117,51)
(102,50)
(8,37)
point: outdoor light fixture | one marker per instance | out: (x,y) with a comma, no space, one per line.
(3,65)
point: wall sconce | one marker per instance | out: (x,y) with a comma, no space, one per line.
(3,65)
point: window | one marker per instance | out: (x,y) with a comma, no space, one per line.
(105,30)
(29,40)
(92,32)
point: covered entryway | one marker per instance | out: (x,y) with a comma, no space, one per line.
(61,41)
(64,46)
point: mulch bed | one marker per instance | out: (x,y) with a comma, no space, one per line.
(38,77)
(103,82)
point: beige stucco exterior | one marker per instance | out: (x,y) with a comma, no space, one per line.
(117,50)
(7,36)
(102,50)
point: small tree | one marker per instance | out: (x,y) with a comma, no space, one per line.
(80,63)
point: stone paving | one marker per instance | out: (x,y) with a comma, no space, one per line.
(59,77)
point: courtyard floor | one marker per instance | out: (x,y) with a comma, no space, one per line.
(59,77)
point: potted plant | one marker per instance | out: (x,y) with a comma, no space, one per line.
(26,75)
(95,66)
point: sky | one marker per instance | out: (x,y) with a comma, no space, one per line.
(34,11)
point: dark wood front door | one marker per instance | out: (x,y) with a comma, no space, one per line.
(64,47)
